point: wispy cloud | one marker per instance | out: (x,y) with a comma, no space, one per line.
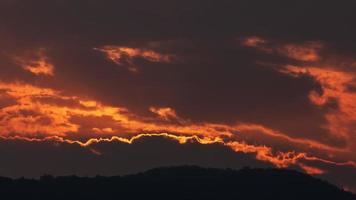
(36,62)
(124,56)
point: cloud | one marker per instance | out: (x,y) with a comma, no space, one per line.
(305,52)
(103,130)
(335,84)
(312,170)
(38,65)
(115,158)
(332,71)
(257,42)
(165,113)
(254,41)
(124,56)
(32,119)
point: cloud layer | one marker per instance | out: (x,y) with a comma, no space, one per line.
(271,80)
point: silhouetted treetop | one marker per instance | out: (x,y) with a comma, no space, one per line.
(187,182)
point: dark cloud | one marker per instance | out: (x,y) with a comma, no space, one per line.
(110,159)
(36,159)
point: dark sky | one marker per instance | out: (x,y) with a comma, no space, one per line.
(226,83)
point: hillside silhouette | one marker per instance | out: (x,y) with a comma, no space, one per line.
(187,182)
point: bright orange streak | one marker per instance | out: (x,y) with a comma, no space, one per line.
(281,159)
(347,163)
(276,134)
(311,170)
(263,153)
(180,139)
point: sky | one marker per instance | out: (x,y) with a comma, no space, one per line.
(115,87)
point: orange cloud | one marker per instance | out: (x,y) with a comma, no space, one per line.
(337,96)
(103,130)
(254,41)
(303,52)
(306,52)
(335,84)
(58,117)
(38,65)
(33,119)
(165,113)
(264,153)
(250,128)
(312,170)
(258,43)
(124,55)
(334,78)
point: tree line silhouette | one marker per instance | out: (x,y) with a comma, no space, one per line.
(186,182)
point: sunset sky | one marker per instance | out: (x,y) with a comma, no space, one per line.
(113,87)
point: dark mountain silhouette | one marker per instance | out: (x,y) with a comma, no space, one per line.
(186,182)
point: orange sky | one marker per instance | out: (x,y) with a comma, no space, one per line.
(252,83)
(44,113)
